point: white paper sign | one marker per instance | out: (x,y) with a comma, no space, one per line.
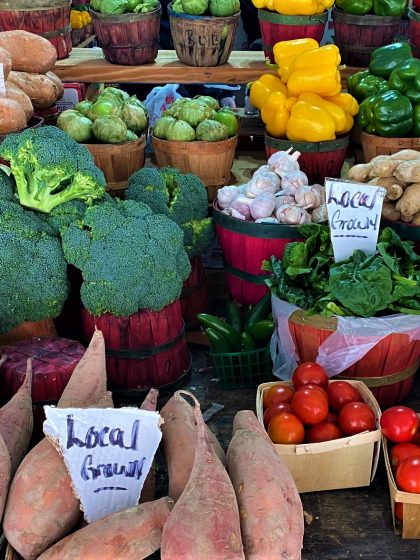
(2,84)
(107,452)
(354,214)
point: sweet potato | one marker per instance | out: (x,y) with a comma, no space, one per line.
(12,116)
(204,523)
(5,476)
(54,78)
(16,421)
(41,90)
(246,420)
(408,172)
(15,93)
(29,52)
(389,212)
(41,507)
(130,534)
(149,487)
(6,60)
(409,203)
(360,172)
(270,509)
(179,438)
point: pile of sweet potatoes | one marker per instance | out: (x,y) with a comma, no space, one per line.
(29,83)
(249,511)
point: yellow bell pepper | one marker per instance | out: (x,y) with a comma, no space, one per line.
(324,81)
(338,114)
(86,18)
(302,7)
(346,102)
(275,115)
(261,89)
(285,53)
(309,123)
(76,21)
(290,101)
(328,55)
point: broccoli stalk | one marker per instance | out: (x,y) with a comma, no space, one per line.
(50,169)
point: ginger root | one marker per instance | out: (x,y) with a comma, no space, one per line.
(393,189)
(360,172)
(389,212)
(409,203)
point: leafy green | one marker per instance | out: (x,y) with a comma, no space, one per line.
(363,285)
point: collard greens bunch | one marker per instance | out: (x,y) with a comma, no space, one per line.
(362,286)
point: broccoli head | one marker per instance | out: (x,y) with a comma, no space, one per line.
(50,168)
(32,268)
(7,186)
(181,196)
(130,258)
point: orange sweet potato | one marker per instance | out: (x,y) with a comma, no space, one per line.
(12,116)
(270,509)
(29,52)
(149,487)
(6,60)
(179,437)
(204,523)
(41,507)
(15,93)
(130,534)
(41,90)
(5,467)
(246,420)
(16,421)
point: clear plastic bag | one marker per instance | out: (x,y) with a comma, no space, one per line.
(352,340)
(159,100)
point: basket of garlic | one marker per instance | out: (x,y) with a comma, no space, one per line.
(256,220)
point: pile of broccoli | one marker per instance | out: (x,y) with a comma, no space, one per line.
(182,197)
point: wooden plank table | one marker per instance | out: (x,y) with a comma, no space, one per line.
(89,65)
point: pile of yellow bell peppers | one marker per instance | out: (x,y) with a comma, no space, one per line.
(295,7)
(79,19)
(304,103)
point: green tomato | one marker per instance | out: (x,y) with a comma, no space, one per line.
(229,119)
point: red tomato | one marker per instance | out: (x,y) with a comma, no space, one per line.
(356,417)
(332,418)
(277,394)
(317,388)
(310,405)
(399,424)
(286,428)
(340,393)
(309,373)
(402,451)
(398,511)
(274,410)
(324,431)
(408,475)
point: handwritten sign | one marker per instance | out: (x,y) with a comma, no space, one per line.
(354,214)
(2,83)
(107,452)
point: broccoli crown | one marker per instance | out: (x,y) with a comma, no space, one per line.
(33,269)
(7,186)
(181,196)
(50,168)
(130,258)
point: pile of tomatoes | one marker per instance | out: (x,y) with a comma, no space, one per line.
(314,410)
(400,425)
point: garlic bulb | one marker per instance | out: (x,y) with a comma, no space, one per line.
(235,214)
(284,162)
(308,198)
(263,205)
(225,195)
(322,192)
(284,199)
(262,169)
(320,214)
(292,214)
(264,182)
(293,181)
(241,204)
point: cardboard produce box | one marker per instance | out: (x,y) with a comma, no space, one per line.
(348,462)
(410,526)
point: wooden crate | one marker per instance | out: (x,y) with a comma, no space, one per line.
(348,462)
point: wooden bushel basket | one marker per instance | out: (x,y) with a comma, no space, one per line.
(203,40)
(194,298)
(128,39)
(388,369)
(48,18)
(118,161)
(211,161)
(380,146)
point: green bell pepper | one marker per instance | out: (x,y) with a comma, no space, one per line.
(406,79)
(387,114)
(392,8)
(357,7)
(363,84)
(384,59)
(416,125)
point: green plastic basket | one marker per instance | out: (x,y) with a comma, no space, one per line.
(241,370)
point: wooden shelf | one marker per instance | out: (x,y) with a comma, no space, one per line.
(89,65)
